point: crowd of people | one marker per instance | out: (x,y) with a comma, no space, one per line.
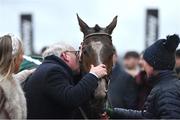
(142,85)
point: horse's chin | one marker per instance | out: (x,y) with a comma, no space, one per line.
(99,95)
(100,92)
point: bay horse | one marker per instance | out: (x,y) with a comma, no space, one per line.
(97,48)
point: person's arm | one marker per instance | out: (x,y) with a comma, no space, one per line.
(58,88)
(124,113)
(168,105)
(61,91)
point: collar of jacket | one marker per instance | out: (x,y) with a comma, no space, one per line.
(56,60)
(162,76)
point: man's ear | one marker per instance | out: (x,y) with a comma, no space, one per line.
(65,57)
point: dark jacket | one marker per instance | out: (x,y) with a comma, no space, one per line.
(122,91)
(163,101)
(50,91)
(144,88)
(178,72)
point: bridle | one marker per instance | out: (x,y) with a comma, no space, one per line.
(93,34)
(107,78)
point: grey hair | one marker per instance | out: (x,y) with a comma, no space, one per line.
(57,49)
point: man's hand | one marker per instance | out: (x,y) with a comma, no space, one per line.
(104,116)
(99,71)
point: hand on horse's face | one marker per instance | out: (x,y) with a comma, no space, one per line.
(100,70)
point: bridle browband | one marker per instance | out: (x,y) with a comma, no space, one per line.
(93,34)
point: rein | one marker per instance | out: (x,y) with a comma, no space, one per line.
(108,102)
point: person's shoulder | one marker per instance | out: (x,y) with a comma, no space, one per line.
(49,67)
(167,89)
(169,85)
(45,69)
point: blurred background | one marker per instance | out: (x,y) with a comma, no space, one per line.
(43,22)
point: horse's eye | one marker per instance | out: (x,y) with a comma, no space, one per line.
(84,51)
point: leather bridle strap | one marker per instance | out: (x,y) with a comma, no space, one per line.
(83,113)
(93,34)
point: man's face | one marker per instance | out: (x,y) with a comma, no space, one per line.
(131,62)
(177,62)
(149,69)
(73,60)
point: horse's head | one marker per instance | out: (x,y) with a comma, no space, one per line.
(97,45)
(97,48)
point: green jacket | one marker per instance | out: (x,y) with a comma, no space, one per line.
(30,62)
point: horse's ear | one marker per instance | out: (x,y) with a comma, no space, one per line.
(83,26)
(111,26)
